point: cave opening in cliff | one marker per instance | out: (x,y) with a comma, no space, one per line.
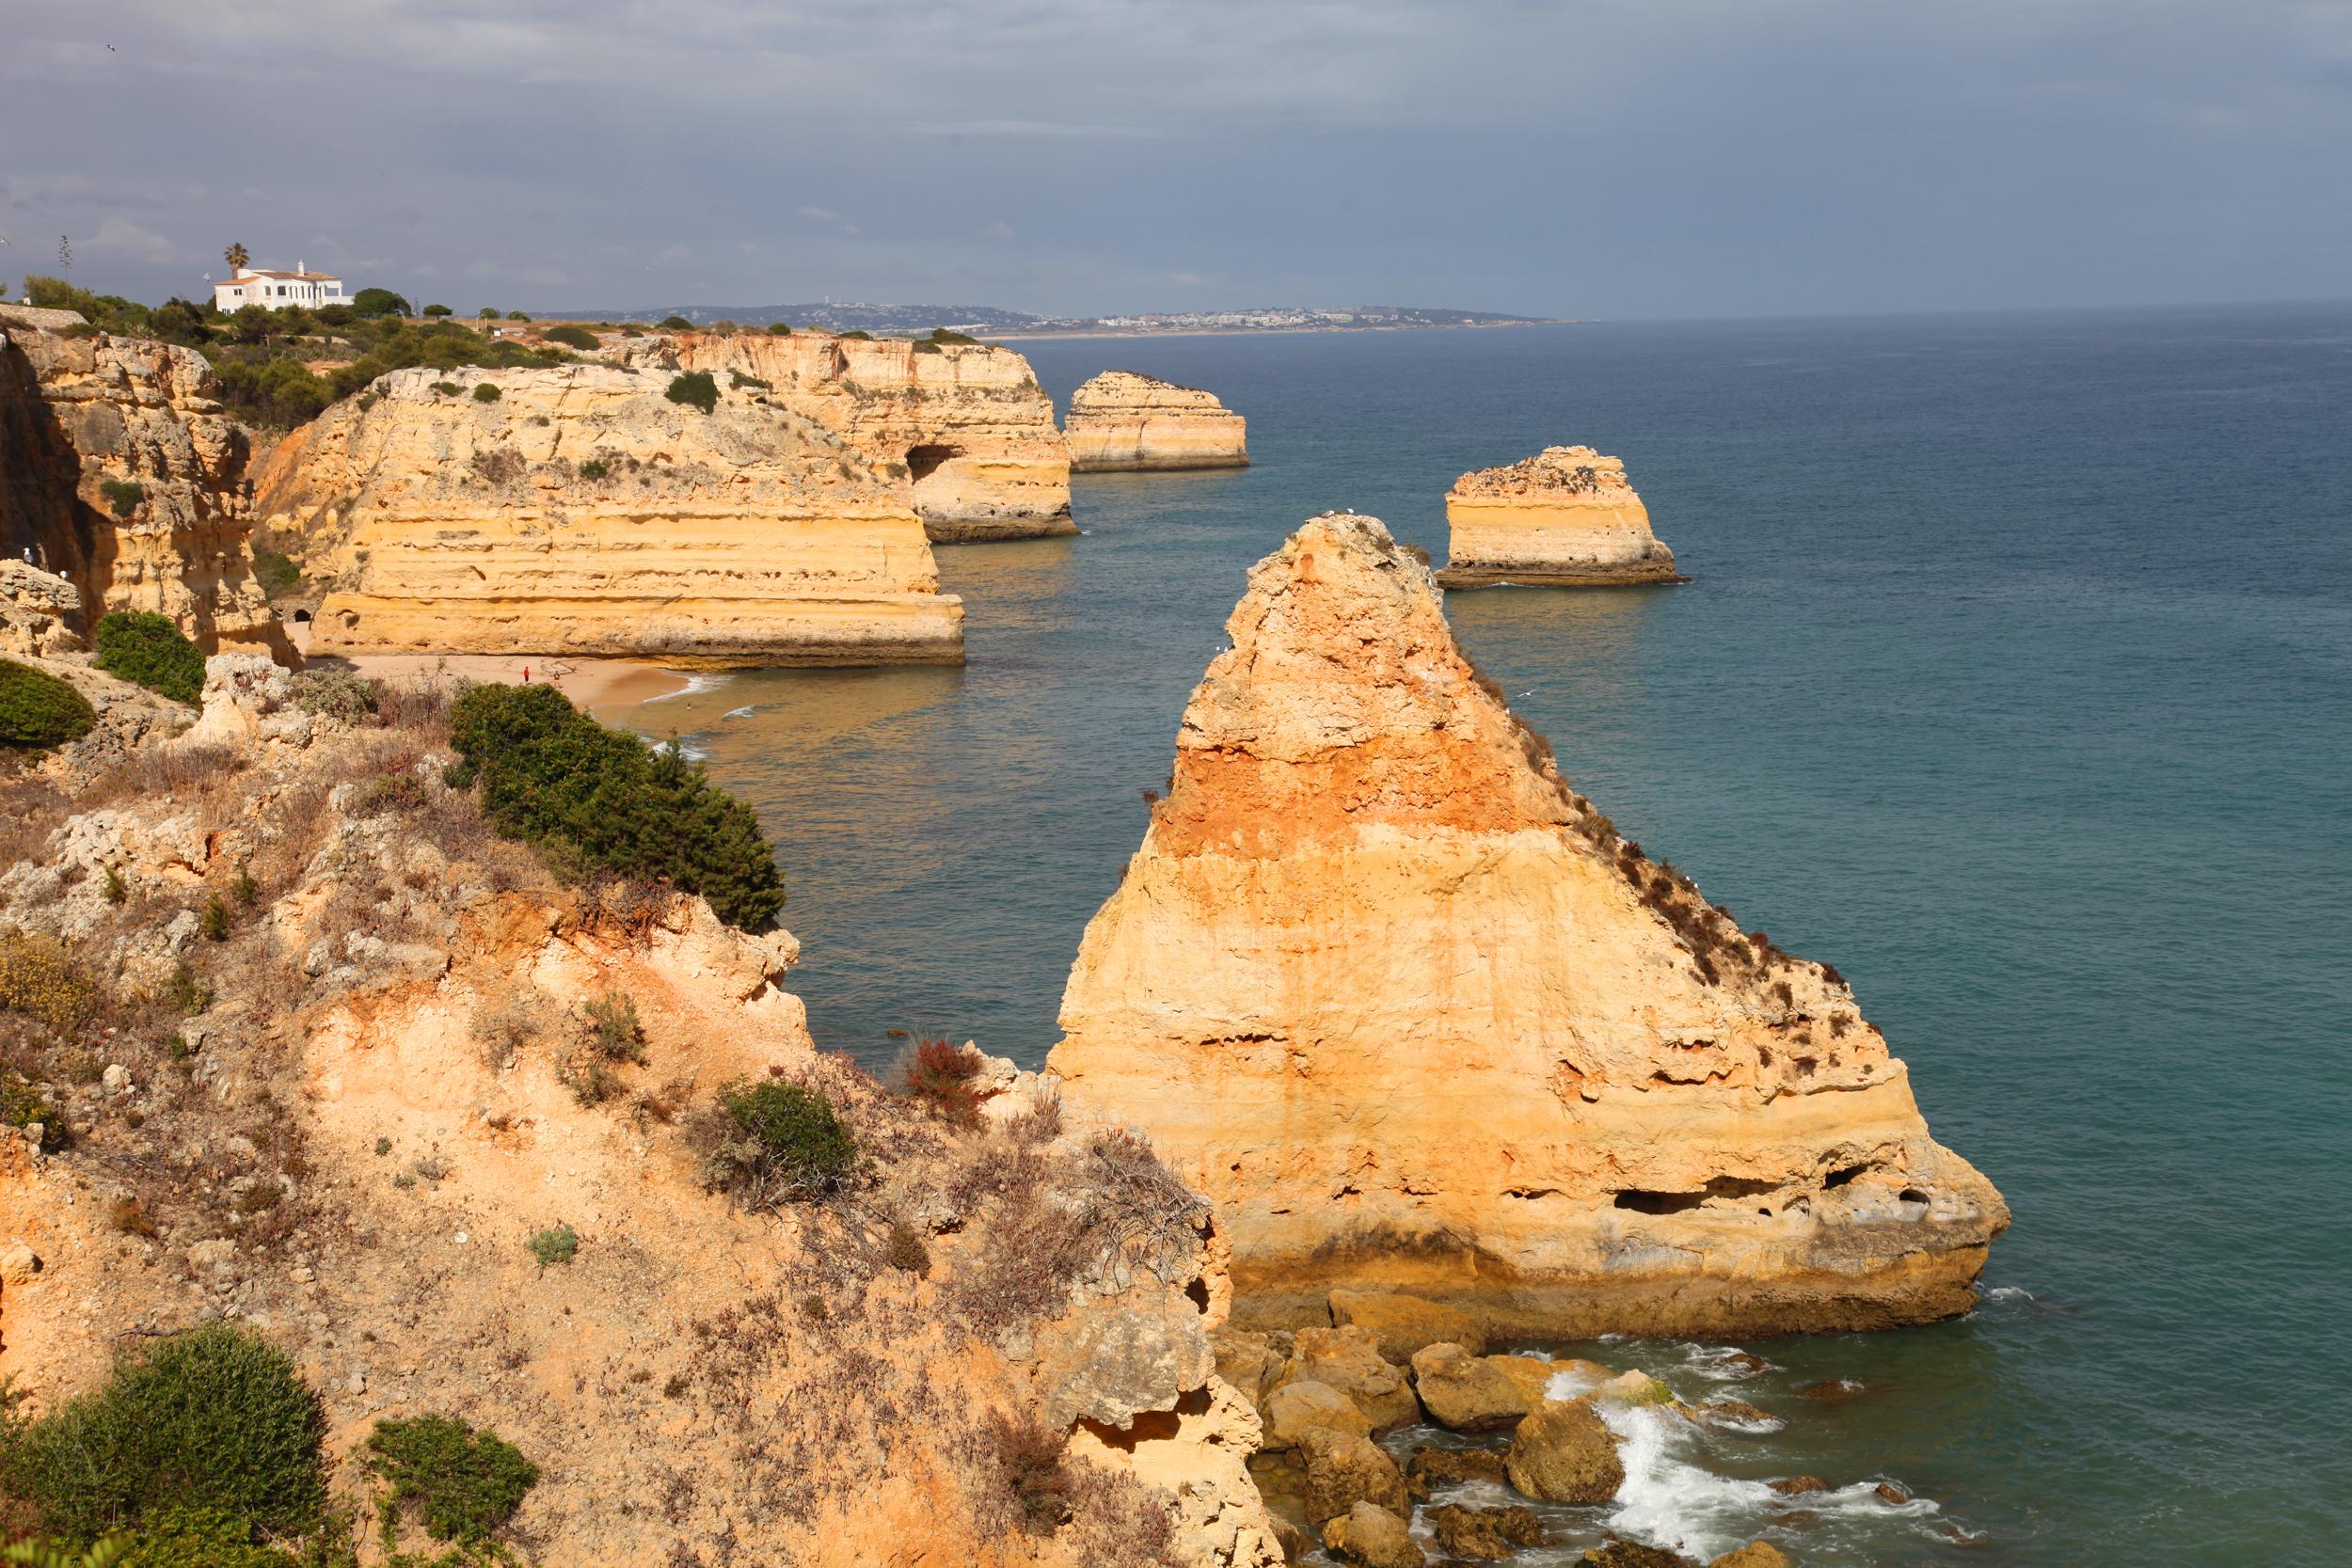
(924,461)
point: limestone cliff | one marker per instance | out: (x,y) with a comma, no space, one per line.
(1407,1008)
(1566,517)
(580,510)
(121,472)
(989,1346)
(962,425)
(1122,420)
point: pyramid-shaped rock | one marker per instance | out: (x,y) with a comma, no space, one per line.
(1413,1014)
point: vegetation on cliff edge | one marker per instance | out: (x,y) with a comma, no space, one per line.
(554,777)
(38,710)
(144,648)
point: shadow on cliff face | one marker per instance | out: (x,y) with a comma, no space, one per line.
(40,473)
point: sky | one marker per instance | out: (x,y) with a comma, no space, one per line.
(1585,158)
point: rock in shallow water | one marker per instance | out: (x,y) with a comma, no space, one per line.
(1372,1537)
(1564,1453)
(1485,1533)
(1343,1470)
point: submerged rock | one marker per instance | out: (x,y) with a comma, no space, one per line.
(1633,1554)
(1485,1533)
(1417,1018)
(1431,1467)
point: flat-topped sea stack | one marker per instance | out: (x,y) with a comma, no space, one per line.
(579,510)
(1122,422)
(1565,518)
(1417,1019)
(120,471)
(963,426)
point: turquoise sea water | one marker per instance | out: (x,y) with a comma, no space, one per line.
(2015,679)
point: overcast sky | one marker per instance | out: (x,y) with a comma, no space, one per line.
(1585,158)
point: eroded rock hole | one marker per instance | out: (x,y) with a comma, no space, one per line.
(1913,1195)
(923,462)
(1839,1178)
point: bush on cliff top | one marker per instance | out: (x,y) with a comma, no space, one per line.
(572,336)
(38,710)
(141,646)
(551,775)
(216,1418)
(775,1141)
(464,1482)
(695,388)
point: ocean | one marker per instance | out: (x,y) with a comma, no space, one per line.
(2014,678)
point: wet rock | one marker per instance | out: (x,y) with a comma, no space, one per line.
(1756,1554)
(1485,1533)
(1467,1392)
(1747,1362)
(1634,1388)
(1402,1325)
(1295,1409)
(1887,1491)
(1429,1468)
(1834,1391)
(1632,1554)
(1724,1412)
(1564,1454)
(1372,1537)
(1798,1486)
(1295,1542)
(1349,1360)
(1343,1470)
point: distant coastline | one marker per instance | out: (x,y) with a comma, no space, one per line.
(1039,334)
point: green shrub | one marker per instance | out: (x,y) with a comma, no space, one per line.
(123,496)
(571,337)
(215,921)
(923,345)
(694,386)
(516,316)
(141,646)
(436,311)
(619,1036)
(21,1105)
(942,334)
(596,467)
(378,302)
(557,1244)
(38,710)
(187,992)
(487,392)
(118,891)
(336,693)
(106,1554)
(861,334)
(738,380)
(464,1483)
(216,1418)
(446,389)
(200,1537)
(780,1141)
(782,329)
(675,324)
(277,571)
(551,775)
(488,313)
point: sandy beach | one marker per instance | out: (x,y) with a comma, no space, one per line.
(592,684)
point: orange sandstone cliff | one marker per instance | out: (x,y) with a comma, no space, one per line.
(580,510)
(121,472)
(988,1347)
(1566,517)
(1122,420)
(1407,1008)
(963,426)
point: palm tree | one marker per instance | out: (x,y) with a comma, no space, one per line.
(236,256)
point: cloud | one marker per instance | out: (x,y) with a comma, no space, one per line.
(121,238)
(996,228)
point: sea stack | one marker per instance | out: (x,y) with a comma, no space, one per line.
(1416,1017)
(1122,421)
(578,509)
(1565,518)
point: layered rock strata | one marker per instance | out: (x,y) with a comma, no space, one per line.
(1566,517)
(580,510)
(963,426)
(1122,422)
(393,1085)
(119,471)
(1410,1011)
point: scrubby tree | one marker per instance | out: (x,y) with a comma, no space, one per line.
(438,311)
(675,324)
(370,303)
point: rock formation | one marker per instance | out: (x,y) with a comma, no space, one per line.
(1566,517)
(1410,1011)
(389,1084)
(962,425)
(580,510)
(1122,420)
(119,471)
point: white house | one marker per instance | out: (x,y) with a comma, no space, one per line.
(275,290)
